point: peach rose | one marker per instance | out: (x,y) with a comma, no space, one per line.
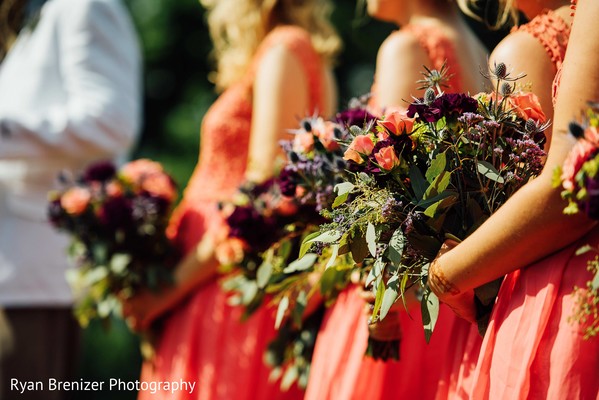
(573,163)
(397,123)
(286,206)
(526,105)
(325,132)
(114,189)
(230,251)
(133,171)
(303,142)
(592,135)
(75,200)
(159,184)
(361,145)
(387,158)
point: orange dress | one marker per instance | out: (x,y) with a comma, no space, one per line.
(204,340)
(439,369)
(531,349)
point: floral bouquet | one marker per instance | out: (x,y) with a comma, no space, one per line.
(432,172)
(117,222)
(268,223)
(579,179)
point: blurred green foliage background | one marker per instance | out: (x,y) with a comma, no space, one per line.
(176,48)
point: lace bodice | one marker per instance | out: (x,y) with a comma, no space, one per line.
(553,33)
(225,135)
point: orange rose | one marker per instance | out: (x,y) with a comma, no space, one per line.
(286,206)
(361,145)
(114,189)
(527,106)
(397,122)
(133,171)
(303,142)
(75,200)
(159,184)
(230,251)
(325,132)
(387,158)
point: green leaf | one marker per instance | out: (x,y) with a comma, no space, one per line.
(396,246)
(281,310)
(300,305)
(488,171)
(302,264)
(334,253)
(390,295)
(437,166)
(306,244)
(595,282)
(289,378)
(380,292)
(343,188)
(358,246)
(119,263)
(325,237)
(438,186)
(340,200)
(584,249)
(439,206)
(371,239)
(263,274)
(419,184)
(375,272)
(430,313)
(402,289)
(327,281)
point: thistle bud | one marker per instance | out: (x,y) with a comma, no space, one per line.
(293,157)
(338,133)
(531,126)
(505,89)
(306,125)
(500,70)
(576,130)
(429,96)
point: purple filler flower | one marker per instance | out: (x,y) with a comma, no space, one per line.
(449,105)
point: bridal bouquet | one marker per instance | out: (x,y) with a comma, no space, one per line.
(579,179)
(117,221)
(432,172)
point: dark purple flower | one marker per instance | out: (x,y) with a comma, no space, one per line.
(287,182)
(55,213)
(354,116)
(591,206)
(101,171)
(256,230)
(116,212)
(449,105)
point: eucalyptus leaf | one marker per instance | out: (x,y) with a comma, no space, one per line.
(289,378)
(595,282)
(302,264)
(433,210)
(388,300)
(396,247)
(430,313)
(488,171)
(325,237)
(306,243)
(281,310)
(358,247)
(264,273)
(375,272)
(119,263)
(584,249)
(380,292)
(327,281)
(371,239)
(343,188)
(334,253)
(340,200)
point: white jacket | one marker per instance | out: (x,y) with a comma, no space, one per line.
(69,94)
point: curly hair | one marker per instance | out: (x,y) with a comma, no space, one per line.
(238,26)
(495,13)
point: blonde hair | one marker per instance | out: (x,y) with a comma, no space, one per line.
(11,13)
(237,28)
(507,12)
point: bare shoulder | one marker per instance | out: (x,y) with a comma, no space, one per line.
(279,62)
(521,50)
(402,46)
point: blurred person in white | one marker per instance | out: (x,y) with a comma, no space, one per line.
(70,94)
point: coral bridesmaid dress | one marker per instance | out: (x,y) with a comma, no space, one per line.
(204,340)
(532,348)
(341,371)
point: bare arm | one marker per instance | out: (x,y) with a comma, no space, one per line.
(398,65)
(531,224)
(280,100)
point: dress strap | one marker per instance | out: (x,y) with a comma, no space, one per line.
(299,42)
